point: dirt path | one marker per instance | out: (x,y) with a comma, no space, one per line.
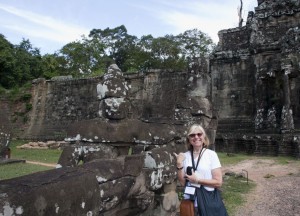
(274,196)
(40,163)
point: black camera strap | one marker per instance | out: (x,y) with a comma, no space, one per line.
(192,196)
(200,155)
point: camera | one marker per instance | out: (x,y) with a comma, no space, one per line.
(189,170)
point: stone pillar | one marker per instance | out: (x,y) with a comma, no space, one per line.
(287,121)
(296,142)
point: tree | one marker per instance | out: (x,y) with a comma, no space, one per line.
(165,52)
(18,63)
(195,43)
(75,59)
(51,66)
(194,46)
(92,55)
(82,58)
(29,62)
(143,54)
(118,45)
(7,63)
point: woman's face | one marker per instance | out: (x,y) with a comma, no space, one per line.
(196,137)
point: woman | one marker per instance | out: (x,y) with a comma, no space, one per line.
(207,171)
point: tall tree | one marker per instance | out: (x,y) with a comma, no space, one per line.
(118,45)
(7,63)
(166,53)
(29,62)
(18,63)
(82,58)
(195,45)
(51,66)
(143,55)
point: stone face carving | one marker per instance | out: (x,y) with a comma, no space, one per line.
(112,92)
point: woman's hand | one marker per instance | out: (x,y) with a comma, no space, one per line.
(179,163)
(180,158)
(192,178)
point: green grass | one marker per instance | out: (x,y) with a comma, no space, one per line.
(8,171)
(40,155)
(13,170)
(234,192)
(236,158)
(281,160)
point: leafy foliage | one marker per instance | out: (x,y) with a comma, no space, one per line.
(90,56)
(7,63)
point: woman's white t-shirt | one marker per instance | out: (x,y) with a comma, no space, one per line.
(208,161)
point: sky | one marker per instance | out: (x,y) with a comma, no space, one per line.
(51,24)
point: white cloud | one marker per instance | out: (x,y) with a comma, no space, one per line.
(156,17)
(197,15)
(36,25)
(207,16)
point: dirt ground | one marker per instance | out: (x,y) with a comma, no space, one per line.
(278,188)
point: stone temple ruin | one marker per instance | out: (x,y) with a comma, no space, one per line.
(126,127)
(255,76)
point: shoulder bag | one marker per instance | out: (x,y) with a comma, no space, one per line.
(187,208)
(209,202)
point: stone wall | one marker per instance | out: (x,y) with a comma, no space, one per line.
(120,108)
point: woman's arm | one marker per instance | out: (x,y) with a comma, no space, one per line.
(180,172)
(215,182)
(180,175)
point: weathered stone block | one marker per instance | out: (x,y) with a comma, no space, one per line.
(106,169)
(133,165)
(65,191)
(85,152)
(114,192)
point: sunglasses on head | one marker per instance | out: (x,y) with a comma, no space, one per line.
(194,135)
